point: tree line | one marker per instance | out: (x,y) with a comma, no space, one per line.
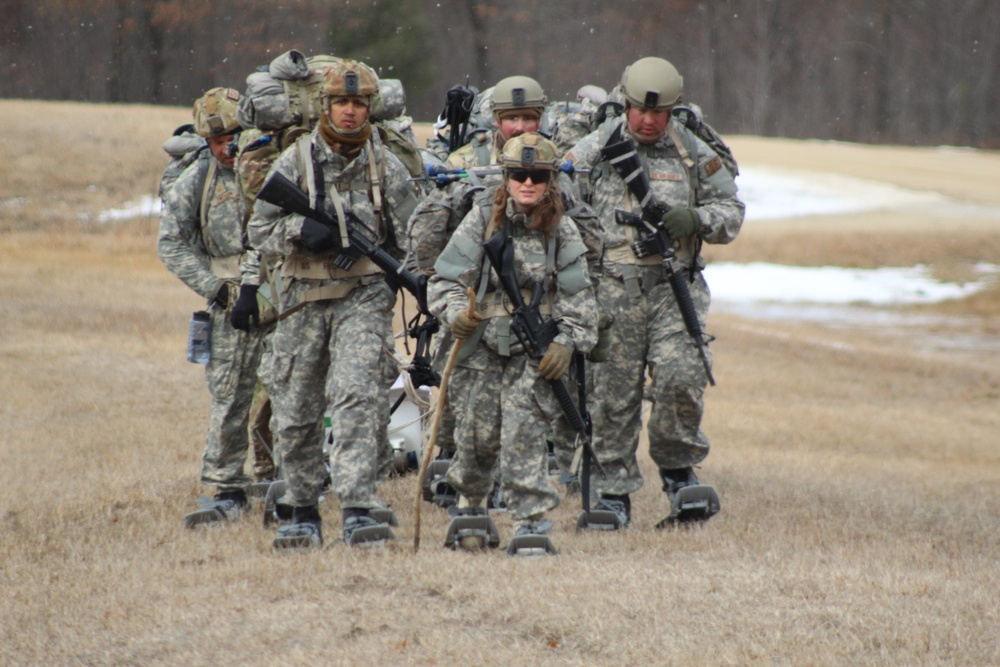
(919,72)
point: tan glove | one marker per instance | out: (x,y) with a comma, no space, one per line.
(554,362)
(464,326)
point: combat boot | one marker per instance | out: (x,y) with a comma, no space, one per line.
(690,500)
(227,506)
(303,533)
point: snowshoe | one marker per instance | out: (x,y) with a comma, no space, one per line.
(225,507)
(260,489)
(690,500)
(385,515)
(364,530)
(472,529)
(531,538)
(300,536)
(608,513)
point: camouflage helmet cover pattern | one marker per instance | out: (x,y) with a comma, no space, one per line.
(349,78)
(529,151)
(215,113)
(652,83)
(518,92)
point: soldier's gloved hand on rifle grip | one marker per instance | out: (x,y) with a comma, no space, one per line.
(317,237)
(463,326)
(681,222)
(246,310)
(554,362)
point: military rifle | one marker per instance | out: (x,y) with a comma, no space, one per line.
(656,241)
(284,193)
(534,332)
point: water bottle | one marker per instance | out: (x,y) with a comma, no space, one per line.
(199,338)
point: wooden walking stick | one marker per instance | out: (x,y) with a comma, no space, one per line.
(436,424)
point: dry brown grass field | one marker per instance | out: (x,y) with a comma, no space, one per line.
(859,475)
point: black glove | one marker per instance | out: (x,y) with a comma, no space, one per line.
(246,312)
(221,298)
(317,237)
(681,222)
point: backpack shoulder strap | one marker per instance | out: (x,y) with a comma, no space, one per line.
(206,180)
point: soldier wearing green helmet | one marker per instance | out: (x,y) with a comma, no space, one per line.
(646,161)
(201,242)
(516,104)
(327,355)
(506,408)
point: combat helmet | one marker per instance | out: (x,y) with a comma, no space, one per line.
(652,83)
(518,92)
(349,78)
(215,113)
(529,151)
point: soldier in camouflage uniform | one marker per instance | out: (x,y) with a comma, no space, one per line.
(440,213)
(330,352)
(507,406)
(649,334)
(201,242)
(516,104)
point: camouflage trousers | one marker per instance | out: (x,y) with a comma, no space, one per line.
(506,415)
(648,334)
(329,358)
(231,375)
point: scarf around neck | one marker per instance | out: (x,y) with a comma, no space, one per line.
(347,145)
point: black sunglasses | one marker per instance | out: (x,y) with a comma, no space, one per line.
(536,175)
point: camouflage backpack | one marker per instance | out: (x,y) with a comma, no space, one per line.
(691,117)
(256,151)
(284,101)
(183,147)
(287,92)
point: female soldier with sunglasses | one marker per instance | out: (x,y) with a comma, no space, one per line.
(508,405)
